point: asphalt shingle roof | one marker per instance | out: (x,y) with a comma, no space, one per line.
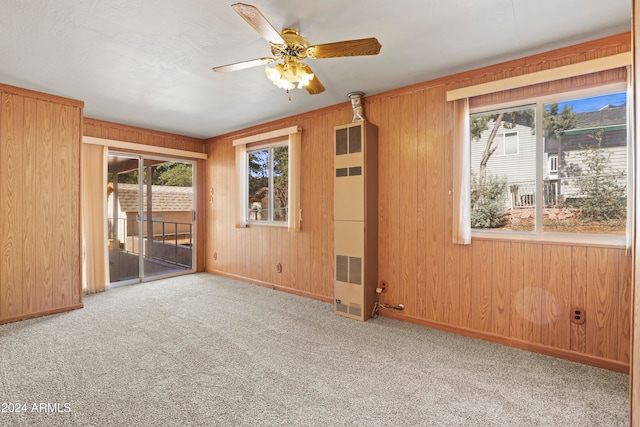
(164,198)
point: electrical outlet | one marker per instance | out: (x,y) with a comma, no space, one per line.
(279,268)
(215,256)
(577,315)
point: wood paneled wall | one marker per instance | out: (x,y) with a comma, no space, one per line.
(517,294)
(40,264)
(118,132)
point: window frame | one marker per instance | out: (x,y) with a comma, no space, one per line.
(270,221)
(552,158)
(538,234)
(504,143)
(292,136)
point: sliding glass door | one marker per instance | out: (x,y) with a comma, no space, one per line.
(151,218)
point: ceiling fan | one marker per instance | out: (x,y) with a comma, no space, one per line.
(289,48)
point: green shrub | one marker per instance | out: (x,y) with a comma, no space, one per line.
(487,202)
(603,188)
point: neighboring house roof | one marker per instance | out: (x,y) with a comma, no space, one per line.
(611,119)
(165,198)
(606,116)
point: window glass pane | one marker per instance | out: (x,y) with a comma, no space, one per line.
(259,166)
(280,183)
(511,143)
(503,187)
(588,191)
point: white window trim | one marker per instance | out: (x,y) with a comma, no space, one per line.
(555,237)
(552,158)
(504,142)
(293,139)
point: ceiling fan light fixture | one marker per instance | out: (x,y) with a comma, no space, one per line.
(289,75)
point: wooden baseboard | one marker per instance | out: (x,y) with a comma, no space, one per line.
(40,313)
(273,286)
(586,359)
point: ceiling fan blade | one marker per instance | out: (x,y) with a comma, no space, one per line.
(256,19)
(315,86)
(242,65)
(369,46)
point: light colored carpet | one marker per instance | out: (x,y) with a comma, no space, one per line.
(211,351)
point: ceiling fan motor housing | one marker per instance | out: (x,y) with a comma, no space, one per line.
(295,45)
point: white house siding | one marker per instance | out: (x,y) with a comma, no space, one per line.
(519,169)
(516,167)
(617,162)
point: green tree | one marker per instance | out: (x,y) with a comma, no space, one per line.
(281,182)
(556,123)
(258,173)
(174,174)
(604,188)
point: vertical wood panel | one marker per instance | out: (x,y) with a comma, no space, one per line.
(384,201)
(44,198)
(532,292)
(62,223)
(75,233)
(501,283)
(10,208)
(481,286)
(465,276)
(516,329)
(310,245)
(321,135)
(29,208)
(452,253)
(579,296)
(602,302)
(422,214)
(624,307)
(556,280)
(394,184)
(408,203)
(436,199)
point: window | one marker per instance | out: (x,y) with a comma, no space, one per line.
(268,179)
(507,144)
(268,184)
(552,166)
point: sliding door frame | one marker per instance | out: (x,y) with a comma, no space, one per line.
(167,154)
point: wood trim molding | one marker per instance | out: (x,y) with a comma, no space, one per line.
(88,121)
(267,135)
(272,286)
(112,143)
(41,95)
(578,69)
(574,356)
(41,313)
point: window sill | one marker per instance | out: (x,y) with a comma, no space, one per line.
(615,241)
(266,224)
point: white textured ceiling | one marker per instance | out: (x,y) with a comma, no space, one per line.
(148,62)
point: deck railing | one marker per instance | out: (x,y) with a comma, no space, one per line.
(171,242)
